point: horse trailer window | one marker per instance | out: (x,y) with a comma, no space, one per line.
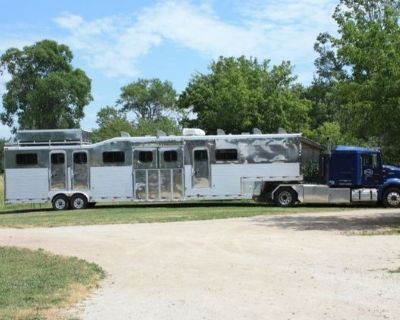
(57,158)
(200,155)
(170,156)
(26,159)
(80,157)
(226,155)
(113,157)
(145,156)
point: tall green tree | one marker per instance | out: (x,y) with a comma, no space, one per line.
(45,90)
(363,65)
(239,94)
(148,99)
(111,123)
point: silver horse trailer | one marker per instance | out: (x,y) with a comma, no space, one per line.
(64,168)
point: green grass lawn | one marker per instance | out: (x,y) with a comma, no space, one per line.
(35,284)
(139,213)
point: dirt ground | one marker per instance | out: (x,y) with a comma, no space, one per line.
(305,266)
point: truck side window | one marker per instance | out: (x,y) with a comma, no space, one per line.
(370,160)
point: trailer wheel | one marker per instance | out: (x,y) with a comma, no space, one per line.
(285,197)
(391,198)
(78,201)
(60,202)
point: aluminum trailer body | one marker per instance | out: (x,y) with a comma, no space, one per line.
(62,167)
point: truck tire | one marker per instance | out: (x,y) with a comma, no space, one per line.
(78,201)
(285,197)
(391,198)
(60,202)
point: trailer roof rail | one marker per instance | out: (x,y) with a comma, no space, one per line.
(54,137)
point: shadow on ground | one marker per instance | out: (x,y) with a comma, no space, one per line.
(224,203)
(332,223)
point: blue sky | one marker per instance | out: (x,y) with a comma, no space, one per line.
(118,41)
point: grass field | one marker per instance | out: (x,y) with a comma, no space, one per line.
(107,214)
(35,284)
(24,216)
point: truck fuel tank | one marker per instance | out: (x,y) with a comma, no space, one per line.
(364,195)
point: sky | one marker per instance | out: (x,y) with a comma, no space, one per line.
(118,41)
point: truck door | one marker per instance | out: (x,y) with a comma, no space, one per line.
(58,168)
(80,170)
(371,169)
(201,168)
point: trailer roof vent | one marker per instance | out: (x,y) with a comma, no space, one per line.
(256,131)
(161,133)
(281,130)
(125,134)
(193,132)
(220,132)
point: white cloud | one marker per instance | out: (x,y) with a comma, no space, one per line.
(114,44)
(280,30)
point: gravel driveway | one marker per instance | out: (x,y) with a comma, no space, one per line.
(305,266)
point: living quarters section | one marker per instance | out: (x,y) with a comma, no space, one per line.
(237,166)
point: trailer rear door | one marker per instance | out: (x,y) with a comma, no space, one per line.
(201,168)
(58,168)
(80,170)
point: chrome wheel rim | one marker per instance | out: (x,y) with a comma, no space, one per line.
(79,203)
(393,199)
(60,204)
(285,198)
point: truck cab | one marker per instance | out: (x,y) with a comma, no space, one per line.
(355,167)
(348,175)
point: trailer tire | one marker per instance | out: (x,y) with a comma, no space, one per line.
(78,201)
(391,198)
(285,197)
(60,202)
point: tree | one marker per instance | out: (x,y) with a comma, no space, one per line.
(239,94)
(363,64)
(45,91)
(111,123)
(2,144)
(148,99)
(149,127)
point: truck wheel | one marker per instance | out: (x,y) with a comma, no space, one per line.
(391,198)
(285,197)
(60,202)
(78,201)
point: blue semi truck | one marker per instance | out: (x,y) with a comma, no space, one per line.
(348,175)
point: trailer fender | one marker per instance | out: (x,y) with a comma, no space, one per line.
(298,190)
